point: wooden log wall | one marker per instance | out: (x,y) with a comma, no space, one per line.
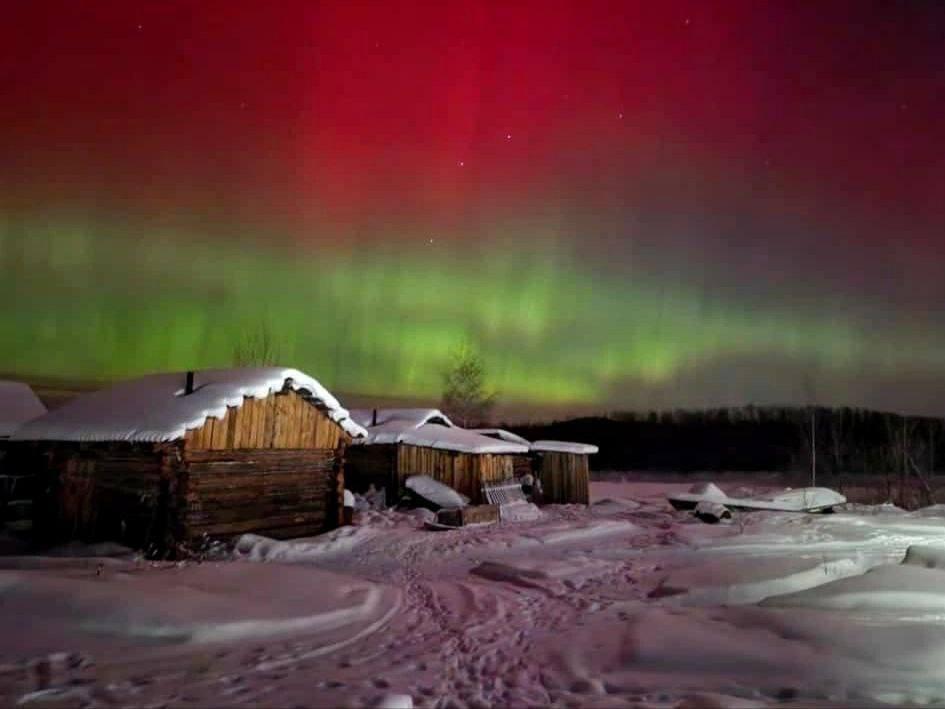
(564,478)
(280,493)
(464,472)
(282,420)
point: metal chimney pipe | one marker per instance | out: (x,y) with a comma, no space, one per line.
(189,384)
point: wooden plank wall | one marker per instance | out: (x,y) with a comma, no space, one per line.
(281,493)
(564,478)
(282,420)
(464,472)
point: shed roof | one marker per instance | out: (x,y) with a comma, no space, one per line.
(429,428)
(563,447)
(18,404)
(154,408)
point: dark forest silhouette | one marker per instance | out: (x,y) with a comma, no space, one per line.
(753,438)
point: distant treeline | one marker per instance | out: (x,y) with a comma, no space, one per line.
(756,439)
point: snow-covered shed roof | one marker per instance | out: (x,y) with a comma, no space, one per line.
(416,417)
(154,408)
(429,428)
(563,447)
(18,404)
(502,435)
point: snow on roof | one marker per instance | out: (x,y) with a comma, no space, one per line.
(501,434)
(431,429)
(563,447)
(414,417)
(154,408)
(18,404)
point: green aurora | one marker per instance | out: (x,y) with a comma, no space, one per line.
(554,328)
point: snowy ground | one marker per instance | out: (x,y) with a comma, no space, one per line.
(623,603)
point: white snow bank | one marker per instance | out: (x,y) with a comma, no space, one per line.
(563,447)
(906,588)
(802,657)
(155,408)
(930,557)
(732,581)
(18,404)
(434,491)
(708,491)
(120,611)
(253,547)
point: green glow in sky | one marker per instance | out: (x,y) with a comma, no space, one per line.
(552,327)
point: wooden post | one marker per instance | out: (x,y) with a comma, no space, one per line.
(813,448)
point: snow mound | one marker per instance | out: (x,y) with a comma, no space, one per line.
(708,491)
(730,581)
(154,408)
(253,547)
(122,611)
(900,588)
(928,556)
(436,492)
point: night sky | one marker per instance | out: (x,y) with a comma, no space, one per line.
(621,204)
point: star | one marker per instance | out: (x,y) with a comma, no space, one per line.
(620,116)
(508,136)
(686,21)
(139,27)
(461,163)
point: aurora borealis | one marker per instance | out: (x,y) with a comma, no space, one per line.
(621,204)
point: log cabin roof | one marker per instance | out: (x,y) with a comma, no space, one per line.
(18,404)
(429,428)
(155,408)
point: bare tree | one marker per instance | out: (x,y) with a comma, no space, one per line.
(464,392)
(257,348)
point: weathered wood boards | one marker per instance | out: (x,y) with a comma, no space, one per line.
(565,478)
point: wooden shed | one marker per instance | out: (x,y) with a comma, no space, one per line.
(172,458)
(562,466)
(405,442)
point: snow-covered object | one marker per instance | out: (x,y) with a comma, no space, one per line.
(18,404)
(709,511)
(429,428)
(805,499)
(348,499)
(434,491)
(563,447)
(155,408)
(501,435)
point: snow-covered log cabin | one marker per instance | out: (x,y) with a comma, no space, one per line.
(562,466)
(171,458)
(405,442)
